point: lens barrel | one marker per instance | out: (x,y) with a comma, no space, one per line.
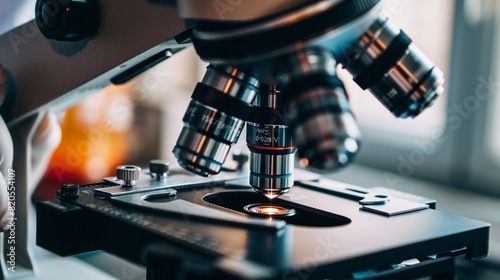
(385,61)
(317,121)
(208,132)
(271,149)
(324,129)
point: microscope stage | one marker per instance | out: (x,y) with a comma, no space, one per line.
(329,236)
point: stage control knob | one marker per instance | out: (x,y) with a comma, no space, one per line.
(69,20)
(158,168)
(69,191)
(129,174)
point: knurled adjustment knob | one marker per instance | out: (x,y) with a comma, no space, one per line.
(69,191)
(128,174)
(158,168)
(68,20)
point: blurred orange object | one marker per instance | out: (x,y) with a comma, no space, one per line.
(94,138)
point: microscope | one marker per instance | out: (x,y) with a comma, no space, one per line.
(275,69)
(272,66)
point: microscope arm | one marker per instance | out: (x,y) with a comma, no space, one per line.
(48,75)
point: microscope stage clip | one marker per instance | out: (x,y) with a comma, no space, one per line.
(189,210)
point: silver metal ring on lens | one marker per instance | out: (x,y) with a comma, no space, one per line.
(327,140)
(270,164)
(267,135)
(200,159)
(307,62)
(232,82)
(213,122)
(410,84)
(271,173)
(209,133)
(325,132)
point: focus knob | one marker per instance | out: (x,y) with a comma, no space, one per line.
(128,174)
(69,20)
(69,191)
(158,168)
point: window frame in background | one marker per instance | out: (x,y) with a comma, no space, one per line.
(485,163)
